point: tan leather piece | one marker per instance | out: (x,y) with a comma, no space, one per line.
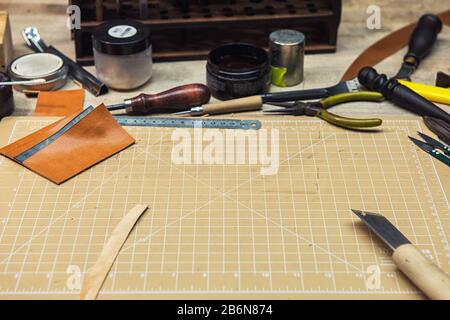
(59,103)
(93,139)
(386,47)
(94,280)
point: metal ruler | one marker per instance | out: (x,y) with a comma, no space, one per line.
(41,145)
(189,123)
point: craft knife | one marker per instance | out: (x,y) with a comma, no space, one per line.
(427,276)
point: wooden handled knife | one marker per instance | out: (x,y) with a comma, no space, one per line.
(427,276)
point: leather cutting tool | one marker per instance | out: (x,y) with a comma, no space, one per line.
(427,276)
(318,109)
(433,147)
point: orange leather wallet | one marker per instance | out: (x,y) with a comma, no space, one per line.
(71,145)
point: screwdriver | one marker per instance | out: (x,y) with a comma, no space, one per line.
(176,99)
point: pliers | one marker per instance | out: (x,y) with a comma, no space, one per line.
(318,109)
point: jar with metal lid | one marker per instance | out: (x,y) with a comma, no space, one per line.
(122,54)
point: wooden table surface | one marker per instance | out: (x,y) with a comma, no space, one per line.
(320,70)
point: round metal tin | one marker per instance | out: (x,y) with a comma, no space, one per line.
(38,66)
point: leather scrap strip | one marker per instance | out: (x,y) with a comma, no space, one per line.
(96,277)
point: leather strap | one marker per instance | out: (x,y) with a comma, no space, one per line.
(386,47)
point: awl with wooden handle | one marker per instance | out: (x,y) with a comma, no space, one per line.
(427,276)
(175,99)
(256,102)
(228,106)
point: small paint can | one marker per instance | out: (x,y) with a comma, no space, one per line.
(6,97)
(286,50)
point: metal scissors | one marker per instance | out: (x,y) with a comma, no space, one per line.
(433,147)
(318,109)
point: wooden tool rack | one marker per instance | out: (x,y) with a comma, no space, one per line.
(183,29)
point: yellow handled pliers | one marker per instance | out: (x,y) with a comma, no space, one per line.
(318,109)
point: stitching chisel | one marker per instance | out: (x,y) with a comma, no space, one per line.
(427,276)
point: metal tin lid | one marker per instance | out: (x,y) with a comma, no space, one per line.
(286,37)
(121,37)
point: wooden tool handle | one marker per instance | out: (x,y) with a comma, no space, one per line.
(235,105)
(176,99)
(423,38)
(428,277)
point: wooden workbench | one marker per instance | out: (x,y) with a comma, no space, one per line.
(223,231)
(320,70)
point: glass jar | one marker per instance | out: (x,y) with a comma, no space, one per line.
(123,54)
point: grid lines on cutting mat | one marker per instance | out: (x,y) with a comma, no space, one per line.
(226,229)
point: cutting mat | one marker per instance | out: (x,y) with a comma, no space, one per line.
(226,231)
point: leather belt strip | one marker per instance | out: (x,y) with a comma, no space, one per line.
(94,280)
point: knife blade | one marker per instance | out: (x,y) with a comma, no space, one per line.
(383,228)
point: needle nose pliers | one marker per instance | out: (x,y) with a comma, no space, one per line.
(318,109)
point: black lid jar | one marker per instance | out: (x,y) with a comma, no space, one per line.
(122,53)
(237,70)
